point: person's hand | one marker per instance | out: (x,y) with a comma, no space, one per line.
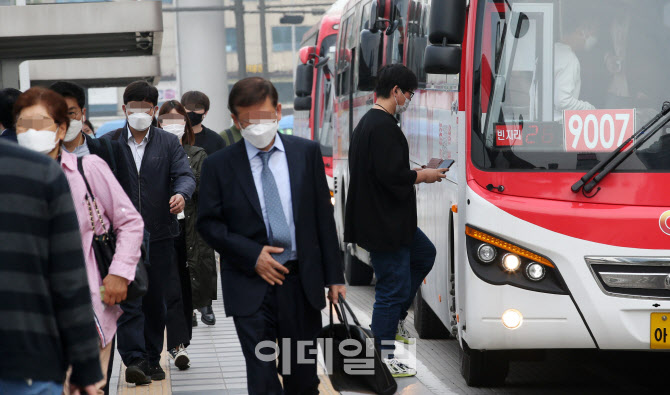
(116,289)
(270,270)
(430,176)
(177,204)
(89,389)
(334,291)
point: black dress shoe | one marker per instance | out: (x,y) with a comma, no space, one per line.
(207,315)
(138,373)
(195,319)
(157,373)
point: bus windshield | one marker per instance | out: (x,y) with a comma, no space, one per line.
(561,84)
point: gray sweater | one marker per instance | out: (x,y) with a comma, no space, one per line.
(46,317)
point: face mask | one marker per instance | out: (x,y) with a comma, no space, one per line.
(140,121)
(195,118)
(260,135)
(401,109)
(177,130)
(589,41)
(43,141)
(73,130)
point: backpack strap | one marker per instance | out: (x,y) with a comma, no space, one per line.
(231,139)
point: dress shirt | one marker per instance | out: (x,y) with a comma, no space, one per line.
(279,168)
(80,150)
(138,149)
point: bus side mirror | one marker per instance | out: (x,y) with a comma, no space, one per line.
(304,76)
(302,103)
(368,60)
(305,54)
(446,28)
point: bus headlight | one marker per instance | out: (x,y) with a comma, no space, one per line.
(498,262)
(511,262)
(486,253)
(535,271)
(512,319)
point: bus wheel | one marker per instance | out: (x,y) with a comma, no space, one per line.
(355,271)
(426,322)
(483,368)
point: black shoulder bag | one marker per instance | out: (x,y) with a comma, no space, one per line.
(104,246)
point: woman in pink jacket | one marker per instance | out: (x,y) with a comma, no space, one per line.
(46,110)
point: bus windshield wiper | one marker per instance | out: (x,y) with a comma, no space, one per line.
(621,153)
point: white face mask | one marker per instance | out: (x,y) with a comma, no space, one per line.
(43,141)
(140,120)
(401,109)
(176,129)
(73,130)
(260,135)
(589,41)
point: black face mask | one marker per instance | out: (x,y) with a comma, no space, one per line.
(195,118)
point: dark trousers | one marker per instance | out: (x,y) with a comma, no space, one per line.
(399,274)
(179,300)
(285,317)
(141,327)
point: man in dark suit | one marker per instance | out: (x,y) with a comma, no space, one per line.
(265,207)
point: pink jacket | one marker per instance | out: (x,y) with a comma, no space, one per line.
(116,209)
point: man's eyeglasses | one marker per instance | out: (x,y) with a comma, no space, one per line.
(411,94)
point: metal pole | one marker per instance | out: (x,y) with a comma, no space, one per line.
(241,43)
(264,44)
(293,52)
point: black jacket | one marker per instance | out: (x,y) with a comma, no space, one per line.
(164,172)
(111,152)
(381,204)
(9,134)
(230,220)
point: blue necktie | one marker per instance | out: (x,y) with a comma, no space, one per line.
(280,235)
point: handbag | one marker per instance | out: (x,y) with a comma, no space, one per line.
(360,366)
(104,246)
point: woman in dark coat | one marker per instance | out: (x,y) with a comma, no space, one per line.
(195,259)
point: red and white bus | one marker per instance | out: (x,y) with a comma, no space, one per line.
(519,96)
(314,97)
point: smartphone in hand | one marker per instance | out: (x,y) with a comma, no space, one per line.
(446,164)
(437,163)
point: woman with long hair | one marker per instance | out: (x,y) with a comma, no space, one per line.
(195,259)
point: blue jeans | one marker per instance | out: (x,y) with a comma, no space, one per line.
(21,387)
(399,275)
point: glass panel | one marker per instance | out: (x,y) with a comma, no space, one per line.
(560,84)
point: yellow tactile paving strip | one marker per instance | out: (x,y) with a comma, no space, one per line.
(163,387)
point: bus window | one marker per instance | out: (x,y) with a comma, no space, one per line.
(343,59)
(417,38)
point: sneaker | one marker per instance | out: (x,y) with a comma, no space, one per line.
(399,369)
(181,360)
(138,373)
(172,353)
(157,373)
(402,335)
(195,320)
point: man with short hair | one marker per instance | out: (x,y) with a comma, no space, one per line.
(197,108)
(7,99)
(76,141)
(265,206)
(159,183)
(381,210)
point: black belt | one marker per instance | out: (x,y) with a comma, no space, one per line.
(292,266)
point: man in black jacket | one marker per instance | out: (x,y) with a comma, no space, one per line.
(381,209)
(265,207)
(78,142)
(159,182)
